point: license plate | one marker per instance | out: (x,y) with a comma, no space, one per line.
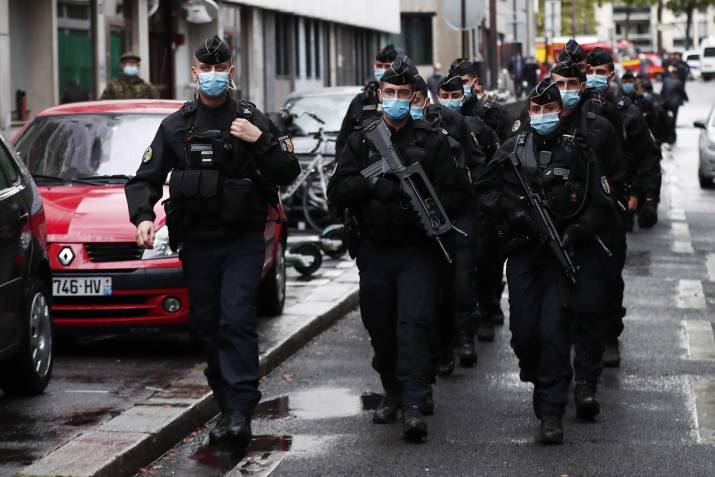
(82,286)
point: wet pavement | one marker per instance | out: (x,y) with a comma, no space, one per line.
(103,376)
(658,409)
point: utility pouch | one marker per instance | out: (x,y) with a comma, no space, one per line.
(172,222)
(234,207)
(208,149)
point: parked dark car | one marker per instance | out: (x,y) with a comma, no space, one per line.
(25,279)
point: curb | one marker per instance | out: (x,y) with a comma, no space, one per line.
(144,432)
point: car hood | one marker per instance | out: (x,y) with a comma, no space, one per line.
(77,214)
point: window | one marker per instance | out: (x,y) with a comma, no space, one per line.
(284,38)
(709,52)
(415,38)
(308,48)
(316,48)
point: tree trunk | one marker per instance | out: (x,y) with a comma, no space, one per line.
(659,40)
(688,25)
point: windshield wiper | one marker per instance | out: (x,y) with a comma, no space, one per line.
(107,177)
(64,180)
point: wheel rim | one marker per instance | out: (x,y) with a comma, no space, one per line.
(40,335)
(280,271)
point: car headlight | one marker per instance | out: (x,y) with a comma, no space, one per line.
(161,246)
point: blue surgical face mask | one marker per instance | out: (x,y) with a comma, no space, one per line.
(598,83)
(130,70)
(378,73)
(213,83)
(629,89)
(453,104)
(648,96)
(544,124)
(467,90)
(416,112)
(396,108)
(570,98)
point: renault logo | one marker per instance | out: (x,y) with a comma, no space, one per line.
(65,256)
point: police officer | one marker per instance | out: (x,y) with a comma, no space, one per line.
(674,96)
(225,156)
(365,105)
(651,105)
(559,164)
(129,85)
(397,261)
(604,275)
(460,299)
(574,53)
(476,101)
(644,175)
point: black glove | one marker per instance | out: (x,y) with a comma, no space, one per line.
(387,190)
(521,222)
(573,234)
(648,214)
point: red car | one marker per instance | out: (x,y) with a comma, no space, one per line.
(81,155)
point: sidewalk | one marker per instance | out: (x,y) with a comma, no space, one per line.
(143,432)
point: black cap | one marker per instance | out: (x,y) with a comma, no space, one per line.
(572,52)
(129,55)
(462,66)
(451,83)
(599,56)
(401,71)
(386,54)
(213,51)
(545,92)
(628,75)
(568,70)
(420,83)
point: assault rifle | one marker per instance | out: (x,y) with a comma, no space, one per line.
(549,233)
(413,181)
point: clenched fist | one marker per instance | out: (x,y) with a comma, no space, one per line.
(245,130)
(145,234)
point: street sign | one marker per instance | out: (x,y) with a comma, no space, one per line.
(473,15)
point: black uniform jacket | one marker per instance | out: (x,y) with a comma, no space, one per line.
(267,161)
(491,113)
(395,222)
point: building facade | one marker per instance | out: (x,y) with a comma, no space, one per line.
(641,26)
(281,46)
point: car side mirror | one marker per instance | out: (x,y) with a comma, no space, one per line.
(699,124)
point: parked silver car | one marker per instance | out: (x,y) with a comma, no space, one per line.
(706,147)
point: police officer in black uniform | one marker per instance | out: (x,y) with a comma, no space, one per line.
(397,261)
(477,103)
(574,53)
(365,106)
(589,334)
(560,165)
(460,297)
(225,157)
(651,104)
(644,174)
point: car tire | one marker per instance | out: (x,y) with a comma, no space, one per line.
(272,290)
(705,182)
(29,372)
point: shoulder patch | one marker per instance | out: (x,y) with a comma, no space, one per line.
(147,155)
(515,127)
(286,144)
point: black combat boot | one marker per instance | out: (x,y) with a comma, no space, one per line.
(485,329)
(426,407)
(386,411)
(414,427)
(234,428)
(612,355)
(587,406)
(467,350)
(445,367)
(552,429)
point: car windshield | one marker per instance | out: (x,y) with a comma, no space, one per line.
(709,52)
(331,108)
(693,58)
(87,145)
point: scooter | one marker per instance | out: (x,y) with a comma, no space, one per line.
(306,256)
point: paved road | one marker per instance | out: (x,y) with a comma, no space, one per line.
(658,410)
(105,375)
